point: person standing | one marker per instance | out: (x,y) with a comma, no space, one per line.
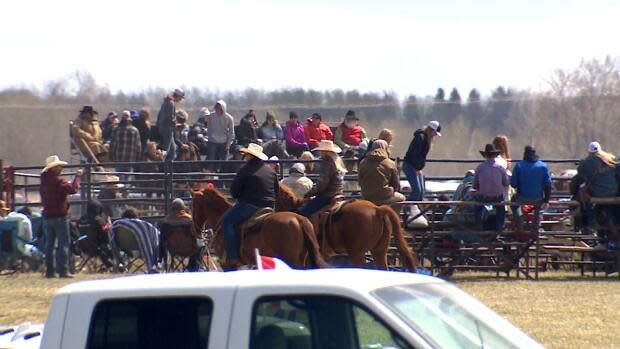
(532,181)
(296,142)
(143,124)
(490,183)
(55,191)
(220,132)
(166,121)
(255,186)
(415,159)
(316,131)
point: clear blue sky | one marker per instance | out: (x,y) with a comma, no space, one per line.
(406,46)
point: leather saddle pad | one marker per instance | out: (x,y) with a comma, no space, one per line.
(256,220)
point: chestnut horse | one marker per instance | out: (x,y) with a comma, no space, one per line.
(362,226)
(284,235)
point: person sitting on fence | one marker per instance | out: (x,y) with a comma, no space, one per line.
(329,184)
(220,133)
(532,180)
(490,183)
(247,130)
(198,132)
(255,186)
(316,131)
(180,215)
(271,130)
(297,180)
(97,227)
(108,125)
(596,178)
(181,128)
(386,135)
(166,120)
(294,134)
(87,134)
(350,135)
(378,176)
(54,192)
(125,145)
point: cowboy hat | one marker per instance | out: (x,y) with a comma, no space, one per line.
(255,150)
(3,206)
(51,162)
(489,149)
(88,109)
(110,181)
(327,145)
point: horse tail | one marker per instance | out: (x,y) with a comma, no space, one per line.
(311,244)
(409,260)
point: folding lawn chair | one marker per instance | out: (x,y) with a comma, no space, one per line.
(181,245)
(138,240)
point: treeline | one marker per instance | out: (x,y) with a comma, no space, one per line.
(579,105)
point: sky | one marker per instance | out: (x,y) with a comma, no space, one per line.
(406,46)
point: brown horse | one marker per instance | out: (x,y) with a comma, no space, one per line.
(284,235)
(362,226)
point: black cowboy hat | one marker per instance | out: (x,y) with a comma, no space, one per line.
(88,109)
(489,149)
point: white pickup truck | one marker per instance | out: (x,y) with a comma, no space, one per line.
(318,309)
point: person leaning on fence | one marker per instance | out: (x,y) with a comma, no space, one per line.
(296,142)
(378,176)
(490,183)
(220,132)
(531,179)
(54,191)
(329,185)
(316,130)
(166,121)
(415,159)
(297,180)
(255,186)
(87,134)
(125,145)
(596,178)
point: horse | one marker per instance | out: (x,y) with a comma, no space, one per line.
(362,226)
(284,235)
(276,148)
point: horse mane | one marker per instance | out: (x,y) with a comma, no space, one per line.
(287,200)
(217,198)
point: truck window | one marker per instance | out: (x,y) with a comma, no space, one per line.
(151,323)
(318,322)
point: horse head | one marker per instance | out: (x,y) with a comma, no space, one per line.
(287,200)
(208,205)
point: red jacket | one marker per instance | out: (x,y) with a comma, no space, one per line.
(315,134)
(55,191)
(352,136)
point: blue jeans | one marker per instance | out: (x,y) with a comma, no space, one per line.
(500,211)
(167,144)
(56,228)
(416,182)
(217,151)
(518,215)
(314,205)
(233,217)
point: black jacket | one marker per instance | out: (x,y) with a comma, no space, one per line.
(246,132)
(418,149)
(256,184)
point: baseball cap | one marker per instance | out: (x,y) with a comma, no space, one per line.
(593,147)
(179,92)
(435,126)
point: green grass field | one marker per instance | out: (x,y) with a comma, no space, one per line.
(561,310)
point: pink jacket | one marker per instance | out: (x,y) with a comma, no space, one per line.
(294,134)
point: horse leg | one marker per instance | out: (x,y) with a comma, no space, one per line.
(379,252)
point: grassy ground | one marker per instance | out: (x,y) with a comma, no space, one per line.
(561,310)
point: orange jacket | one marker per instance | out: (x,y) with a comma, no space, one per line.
(315,134)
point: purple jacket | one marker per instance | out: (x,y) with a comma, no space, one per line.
(491,179)
(294,134)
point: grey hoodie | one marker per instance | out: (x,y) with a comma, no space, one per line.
(221,128)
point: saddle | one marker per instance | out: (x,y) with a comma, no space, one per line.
(329,214)
(255,222)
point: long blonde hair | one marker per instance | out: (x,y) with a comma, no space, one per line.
(607,158)
(340,166)
(501,143)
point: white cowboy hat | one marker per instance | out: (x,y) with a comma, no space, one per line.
(255,150)
(110,181)
(327,145)
(52,161)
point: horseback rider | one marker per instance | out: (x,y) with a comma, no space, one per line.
(329,184)
(255,186)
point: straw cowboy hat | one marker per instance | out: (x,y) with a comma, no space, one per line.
(51,162)
(255,150)
(3,206)
(327,145)
(489,150)
(109,181)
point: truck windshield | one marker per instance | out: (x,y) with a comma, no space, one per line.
(449,318)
